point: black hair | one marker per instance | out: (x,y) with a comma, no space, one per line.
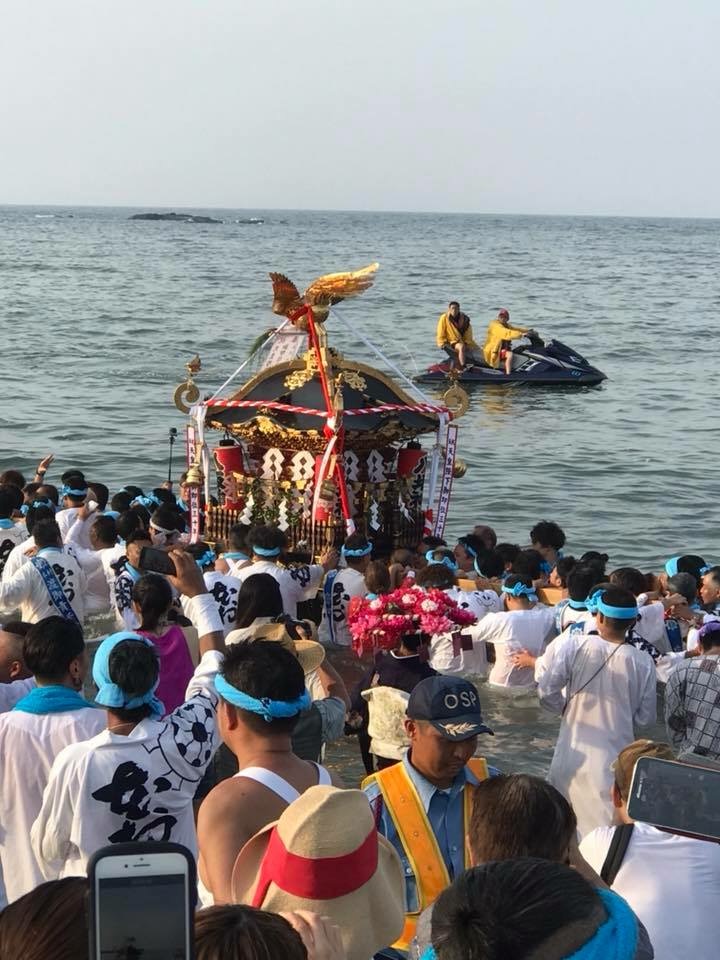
(50,646)
(267,537)
(259,596)
(472,545)
(137,536)
(616,596)
(432,543)
(714,573)
(11,499)
(36,514)
(491,563)
(99,493)
(165,496)
(12,478)
(436,575)
(121,502)
(685,584)
(263,669)
(50,492)
(516,578)
(75,479)
(356,541)
(580,582)
(17,627)
(548,534)
(197,550)
(135,668)
(142,513)
(564,567)
(46,533)
(454,303)
(133,490)
(169,518)
(29,491)
(629,579)
(528,563)
(104,530)
(691,563)
(377,577)
(519,815)
(506,909)
(127,523)
(591,558)
(508,551)
(70,476)
(238,537)
(153,594)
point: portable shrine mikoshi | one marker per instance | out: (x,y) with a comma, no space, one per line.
(318,444)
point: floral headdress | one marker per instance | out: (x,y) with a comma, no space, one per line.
(381,622)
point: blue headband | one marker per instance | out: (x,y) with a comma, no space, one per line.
(592,601)
(268,709)
(147,501)
(468,549)
(358,552)
(476,567)
(37,503)
(618,613)
(671,567)
(207,558)
(446,561)
(110,694)
(266,551)
(520,590)
(73,491)
(616,939)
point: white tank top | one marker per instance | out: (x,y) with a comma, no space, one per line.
(286,791)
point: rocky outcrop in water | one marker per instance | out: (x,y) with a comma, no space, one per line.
(174,217)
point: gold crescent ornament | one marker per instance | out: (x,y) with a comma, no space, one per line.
(459,468)
(188,393)
(456,400)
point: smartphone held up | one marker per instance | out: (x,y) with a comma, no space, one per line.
(679,797)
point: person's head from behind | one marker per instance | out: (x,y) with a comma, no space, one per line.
(486,534)
(103,533)
(429,543)
(580,582)
(12,664)
(151,600)
(547,537)
(134,543)
(126,670)
(710,587)
(238,538)
(121,501)
(629,578)
(163,495)
(254,678)
(54,653)
(12,478)
(259,596)
(598,561)
(48,491)
(11,499)
(30,492)
(99,493)
(685,584)
(267,543)
(453,309)
(519,592)
(529,909)
(204,555)
(46,533)
(74,488)
(239,932)
(443,722)
(166,525)
(520,816)
(377,577)
(49,923)
(127,523)
(437,574)
(624,768)
(357,551)
(615,611)
(490,564)
(687,563)
(528,563)
(561,571)
(508,552)
(709,636)
(35,514)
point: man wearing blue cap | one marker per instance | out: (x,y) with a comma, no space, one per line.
(423,804)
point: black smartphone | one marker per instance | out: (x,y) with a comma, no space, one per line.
(153,560)
(142,901)
(680,797)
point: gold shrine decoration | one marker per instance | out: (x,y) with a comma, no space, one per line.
(188,393)
(456,400)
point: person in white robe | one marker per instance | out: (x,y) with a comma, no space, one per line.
(53,584)
(603,688)
(297,583)
(340,587)
(126,575)
(74,493)
(15,678)
(51,715)
(12,532)
(223,587)
(104,550)
(38,510)
(523,625)
(137,779)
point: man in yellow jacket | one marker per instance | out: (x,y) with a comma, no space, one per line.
(422,804)
(497,347)
(455,336)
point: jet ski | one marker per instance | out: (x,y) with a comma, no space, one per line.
(548,364)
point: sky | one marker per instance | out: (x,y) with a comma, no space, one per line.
(497,106)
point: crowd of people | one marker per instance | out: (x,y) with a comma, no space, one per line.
(198,704)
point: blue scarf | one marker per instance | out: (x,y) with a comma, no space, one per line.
(52,699)
(109,693)
(6,523)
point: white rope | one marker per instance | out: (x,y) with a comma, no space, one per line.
(368,343)
(248,359)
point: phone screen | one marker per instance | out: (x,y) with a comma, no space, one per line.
(676,796)
(156,561)
(142,917)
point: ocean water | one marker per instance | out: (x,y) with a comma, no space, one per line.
(98,315)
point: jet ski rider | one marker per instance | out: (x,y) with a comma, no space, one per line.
(497,341)
(455,337)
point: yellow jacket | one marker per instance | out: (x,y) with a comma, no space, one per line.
(447,332)
(496,333)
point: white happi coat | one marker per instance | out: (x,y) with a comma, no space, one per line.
(28,745)
(140,787)
(338,591)
(26,588)
(296,583)
(225,590)
(10,537)
(618,692)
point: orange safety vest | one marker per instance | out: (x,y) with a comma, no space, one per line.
(416,835)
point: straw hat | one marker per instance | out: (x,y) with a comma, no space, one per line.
(324,854)
(309,653)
